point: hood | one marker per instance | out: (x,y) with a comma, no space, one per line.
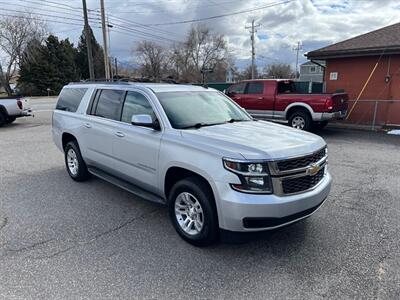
(257,139)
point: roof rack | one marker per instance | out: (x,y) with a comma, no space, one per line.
(101,82)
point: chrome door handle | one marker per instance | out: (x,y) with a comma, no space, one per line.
(119,134)
(260,98)
(87,125)
(237,98)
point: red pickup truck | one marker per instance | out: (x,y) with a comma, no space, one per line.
(276,99)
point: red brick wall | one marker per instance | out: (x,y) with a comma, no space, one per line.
(352,75)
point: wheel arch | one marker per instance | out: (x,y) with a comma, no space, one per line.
(176,173)
(298,106)
(66,138)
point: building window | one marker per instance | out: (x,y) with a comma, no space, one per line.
(313,69)
(333,76)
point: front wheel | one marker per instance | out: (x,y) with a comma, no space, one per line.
(192,212)
(300,120)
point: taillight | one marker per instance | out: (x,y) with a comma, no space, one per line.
(19,103)
(329,104)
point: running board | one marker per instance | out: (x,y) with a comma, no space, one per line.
(134,189)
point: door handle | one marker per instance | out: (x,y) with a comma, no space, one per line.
(119,134)
(237,98)
(87,125)
(259,98)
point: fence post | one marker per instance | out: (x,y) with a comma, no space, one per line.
(373,121)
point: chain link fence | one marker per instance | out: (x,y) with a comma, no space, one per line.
(374,113)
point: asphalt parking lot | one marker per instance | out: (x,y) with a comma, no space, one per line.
(62,239)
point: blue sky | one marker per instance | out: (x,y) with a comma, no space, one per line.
(316,23)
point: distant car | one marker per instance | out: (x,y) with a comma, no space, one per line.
(13,108)
(195,150)
(277,99)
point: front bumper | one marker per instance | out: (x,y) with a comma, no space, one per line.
(242,212)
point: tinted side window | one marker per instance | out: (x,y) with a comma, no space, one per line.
(70,98)
(136,104)
(109,104)
(238,88)
(255,88)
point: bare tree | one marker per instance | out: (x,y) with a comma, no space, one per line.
(153,59)
(279,70)
(15,34)
(206,49)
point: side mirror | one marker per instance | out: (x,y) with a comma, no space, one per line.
(145,121)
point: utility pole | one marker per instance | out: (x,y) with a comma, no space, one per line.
(105,41)
(297,48)
(109,49)
(116,67)
(88,42)
(253,49)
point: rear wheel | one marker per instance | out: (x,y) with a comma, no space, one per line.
(193,213)
(76,167)
(2,119)
(300,120)
(11,120)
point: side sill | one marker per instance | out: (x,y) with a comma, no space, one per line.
(134,189)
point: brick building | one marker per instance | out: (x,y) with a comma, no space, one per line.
(350,63)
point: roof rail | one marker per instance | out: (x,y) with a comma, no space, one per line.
(101,82)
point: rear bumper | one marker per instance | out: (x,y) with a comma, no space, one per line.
(241,212)
(25,113)
(337,115)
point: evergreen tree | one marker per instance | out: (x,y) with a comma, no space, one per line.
(82,58)
(51,65)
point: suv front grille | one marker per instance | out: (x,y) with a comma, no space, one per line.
(299,184)
(301,162)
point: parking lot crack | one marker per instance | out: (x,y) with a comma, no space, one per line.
(30,247)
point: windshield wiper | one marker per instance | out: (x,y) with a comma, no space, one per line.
(236,120)
(199,125)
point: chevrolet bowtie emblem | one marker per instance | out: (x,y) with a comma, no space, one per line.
(313,169)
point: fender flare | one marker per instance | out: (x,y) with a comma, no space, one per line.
(299,104)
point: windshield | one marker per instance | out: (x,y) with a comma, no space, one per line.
(197,109)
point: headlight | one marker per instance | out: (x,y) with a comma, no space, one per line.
(253,175)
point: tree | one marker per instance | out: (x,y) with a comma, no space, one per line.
(153,60)
(82,57)
(15,33)
(202,49)
(47,66)
(279,71)
(246,73)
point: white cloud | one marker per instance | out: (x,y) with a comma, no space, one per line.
(316,23)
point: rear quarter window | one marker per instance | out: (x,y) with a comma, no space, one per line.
(70,98)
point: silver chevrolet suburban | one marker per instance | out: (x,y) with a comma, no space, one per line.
(194,150)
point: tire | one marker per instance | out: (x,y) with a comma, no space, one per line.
(2,119)
(301,120)
(74,162)
(193,196)
(10,120)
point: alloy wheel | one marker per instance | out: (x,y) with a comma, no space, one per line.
(72,160)
(189,213)
(298,122)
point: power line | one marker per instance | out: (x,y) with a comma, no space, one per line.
(47,10)
(145,34)
(39,19)
(223,15)
(46,15)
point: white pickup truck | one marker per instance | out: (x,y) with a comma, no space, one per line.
(13,108)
